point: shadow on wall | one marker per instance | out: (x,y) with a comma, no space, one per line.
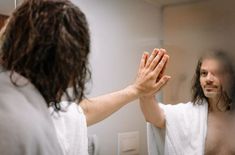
(93,148)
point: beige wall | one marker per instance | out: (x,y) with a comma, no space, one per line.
(190,29)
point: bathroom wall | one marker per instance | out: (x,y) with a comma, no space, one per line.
(121,30)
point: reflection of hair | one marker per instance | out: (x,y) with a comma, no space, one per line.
(228,95)
(47,41)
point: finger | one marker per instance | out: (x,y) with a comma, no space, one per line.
(160,65)
(156,60)
(162,82)
(163,50)
(164,67)
(143,60)
(152,56)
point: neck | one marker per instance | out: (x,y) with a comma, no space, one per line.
(217,104)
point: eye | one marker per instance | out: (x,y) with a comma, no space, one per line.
(203,73)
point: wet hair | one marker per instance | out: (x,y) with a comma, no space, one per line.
(227,66)
(48,42)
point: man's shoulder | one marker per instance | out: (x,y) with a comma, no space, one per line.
(182,107)
(176,105)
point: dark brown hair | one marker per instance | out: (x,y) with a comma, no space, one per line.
(48,42)
(223,57)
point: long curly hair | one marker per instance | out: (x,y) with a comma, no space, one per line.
(226,94)
(48,42)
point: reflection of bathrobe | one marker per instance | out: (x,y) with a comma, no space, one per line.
(25,124)
(185,132)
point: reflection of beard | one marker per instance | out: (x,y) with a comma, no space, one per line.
(211,91)
(211,94)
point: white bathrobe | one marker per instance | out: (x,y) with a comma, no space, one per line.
(71,128)
(185,132)
(26,127)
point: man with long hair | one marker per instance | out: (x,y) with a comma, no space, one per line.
(44,56)
(198,127)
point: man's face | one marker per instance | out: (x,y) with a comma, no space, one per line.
(210,78)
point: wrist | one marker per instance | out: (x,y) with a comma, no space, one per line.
(148,97)
(133,91)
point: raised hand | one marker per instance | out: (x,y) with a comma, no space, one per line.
(150,78)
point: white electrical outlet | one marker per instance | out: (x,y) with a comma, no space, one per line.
(128,143)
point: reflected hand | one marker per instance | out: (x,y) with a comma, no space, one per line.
(150,78)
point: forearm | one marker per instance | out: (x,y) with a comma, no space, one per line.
(153,113)
(149,80)
(98,108)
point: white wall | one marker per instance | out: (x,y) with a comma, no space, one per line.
(121,30)
(6,6)
(189,30)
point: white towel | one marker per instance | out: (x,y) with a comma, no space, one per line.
(185,132)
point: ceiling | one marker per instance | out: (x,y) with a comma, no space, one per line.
(169,2)
(7,6)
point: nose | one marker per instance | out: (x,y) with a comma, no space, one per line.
(209,77)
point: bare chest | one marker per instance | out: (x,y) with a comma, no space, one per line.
(220,139)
